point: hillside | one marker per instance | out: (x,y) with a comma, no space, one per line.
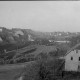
(22,45)
(21,36)
(28,54)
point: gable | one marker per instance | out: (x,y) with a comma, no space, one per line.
(75,55)
(76,47)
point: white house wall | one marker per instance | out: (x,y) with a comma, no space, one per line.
(72,65)
(79,61)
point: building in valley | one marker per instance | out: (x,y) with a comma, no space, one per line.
(72,59)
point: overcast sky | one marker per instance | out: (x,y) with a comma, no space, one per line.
(41,15)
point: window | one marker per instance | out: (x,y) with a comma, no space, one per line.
(79,58)
(71,58)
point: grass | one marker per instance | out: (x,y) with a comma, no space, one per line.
(30,70)
(12,71)
(44,67)
(9,72)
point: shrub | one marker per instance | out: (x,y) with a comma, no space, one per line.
(49,69)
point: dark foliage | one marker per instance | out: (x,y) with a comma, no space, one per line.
(29,51)
(74,40)
(49,70)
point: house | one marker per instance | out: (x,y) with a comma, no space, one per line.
(72,59)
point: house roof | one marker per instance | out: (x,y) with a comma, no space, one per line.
(72,49)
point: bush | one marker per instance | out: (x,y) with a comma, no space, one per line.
(49,69)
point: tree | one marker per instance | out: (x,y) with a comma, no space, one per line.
(74,40)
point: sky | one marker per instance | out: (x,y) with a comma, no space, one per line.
(46,16)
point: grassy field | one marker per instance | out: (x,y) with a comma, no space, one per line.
(47,69)
(13,71)
(33,51)
(44,68)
